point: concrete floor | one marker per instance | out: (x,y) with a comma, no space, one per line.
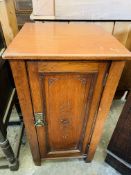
(73,166)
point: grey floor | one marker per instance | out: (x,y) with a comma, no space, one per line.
(73,166)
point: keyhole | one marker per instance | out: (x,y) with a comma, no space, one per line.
(65,122)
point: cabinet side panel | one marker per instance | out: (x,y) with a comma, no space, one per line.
(107,97)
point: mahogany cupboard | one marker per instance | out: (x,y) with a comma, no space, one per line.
(66,76)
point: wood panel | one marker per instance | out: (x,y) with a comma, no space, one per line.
(55,93)
(66,110)
(68,66)
(107,97)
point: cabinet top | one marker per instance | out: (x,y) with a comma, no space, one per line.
(63,41)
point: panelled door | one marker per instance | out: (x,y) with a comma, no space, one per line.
(65,97)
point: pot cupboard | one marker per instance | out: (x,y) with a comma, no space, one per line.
(66,76)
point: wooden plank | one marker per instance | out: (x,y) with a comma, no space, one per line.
(107,97)
(8,20)
(20,76)
(79,66)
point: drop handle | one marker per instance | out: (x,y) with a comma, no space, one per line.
(40,119)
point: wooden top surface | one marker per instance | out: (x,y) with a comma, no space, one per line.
(73,41)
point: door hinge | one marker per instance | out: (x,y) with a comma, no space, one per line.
(39,119)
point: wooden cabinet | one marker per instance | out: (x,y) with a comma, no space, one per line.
(66,76)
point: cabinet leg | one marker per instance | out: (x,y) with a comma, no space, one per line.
(86,160)
(37,163)
(18,109)
(6,148)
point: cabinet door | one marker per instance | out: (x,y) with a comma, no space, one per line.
(67,94)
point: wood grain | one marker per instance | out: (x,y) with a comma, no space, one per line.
(22,86)
(56,41)
(63,91)
(68,66)
(37,103)
(103,69)
(72,93)
(106,100)
(66,98)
